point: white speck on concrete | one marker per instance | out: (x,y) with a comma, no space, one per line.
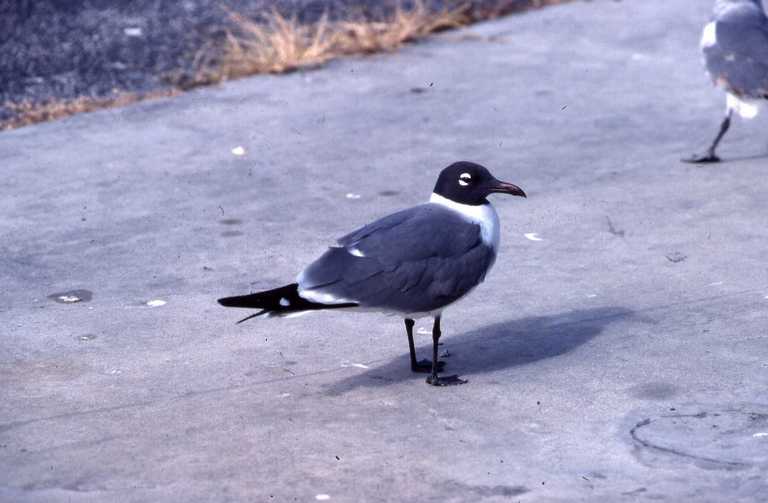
(533,236)
(352,195)
(133,31)
(322,497)
(358,365)
(69,299)
(591,295)
(761,434)
(156,303)
(423,331)
(238,151)
(716,283)
(115,372)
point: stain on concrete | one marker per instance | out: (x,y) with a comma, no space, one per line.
(72,296)
(718,438)
(231,234)
(483,491)
(230,221)
(613,229)
(676,257)
(653,391)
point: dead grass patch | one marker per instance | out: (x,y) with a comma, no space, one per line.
(280,44)
(28,112)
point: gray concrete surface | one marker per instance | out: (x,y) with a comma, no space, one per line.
(623,357)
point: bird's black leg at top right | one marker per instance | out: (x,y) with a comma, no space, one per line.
(709,156)
(433,378)
(422,366)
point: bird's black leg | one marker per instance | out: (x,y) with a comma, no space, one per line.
(422,366)
(433,378)
(709,155)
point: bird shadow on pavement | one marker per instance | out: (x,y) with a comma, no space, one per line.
(751,157)
(503,345)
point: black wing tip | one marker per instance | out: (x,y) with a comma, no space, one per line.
(251,316)
(227,301)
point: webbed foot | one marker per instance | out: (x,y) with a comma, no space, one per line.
(706,158)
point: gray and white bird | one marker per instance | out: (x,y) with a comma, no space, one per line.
(413,263)
(735,47)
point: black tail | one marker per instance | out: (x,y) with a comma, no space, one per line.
(278,302)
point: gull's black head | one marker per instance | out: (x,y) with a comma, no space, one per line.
(469,183)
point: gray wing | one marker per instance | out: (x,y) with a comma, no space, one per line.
(416,260)
(739,58)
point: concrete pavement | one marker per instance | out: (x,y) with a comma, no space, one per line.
(621,357)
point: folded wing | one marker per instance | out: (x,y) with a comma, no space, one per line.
(739,55)
(416,260)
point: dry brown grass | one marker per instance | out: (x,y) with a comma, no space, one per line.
(27,112)
(279,44)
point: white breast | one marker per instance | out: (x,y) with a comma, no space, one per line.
(745,107)
(483,215)
(709,35)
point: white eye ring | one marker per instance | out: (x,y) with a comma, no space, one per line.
(464,179)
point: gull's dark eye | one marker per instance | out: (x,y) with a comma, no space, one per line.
(465,179)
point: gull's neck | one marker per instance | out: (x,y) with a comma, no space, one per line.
(460,207)
(482,214)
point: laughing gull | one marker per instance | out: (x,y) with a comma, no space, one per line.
(413,263)
(735,47)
